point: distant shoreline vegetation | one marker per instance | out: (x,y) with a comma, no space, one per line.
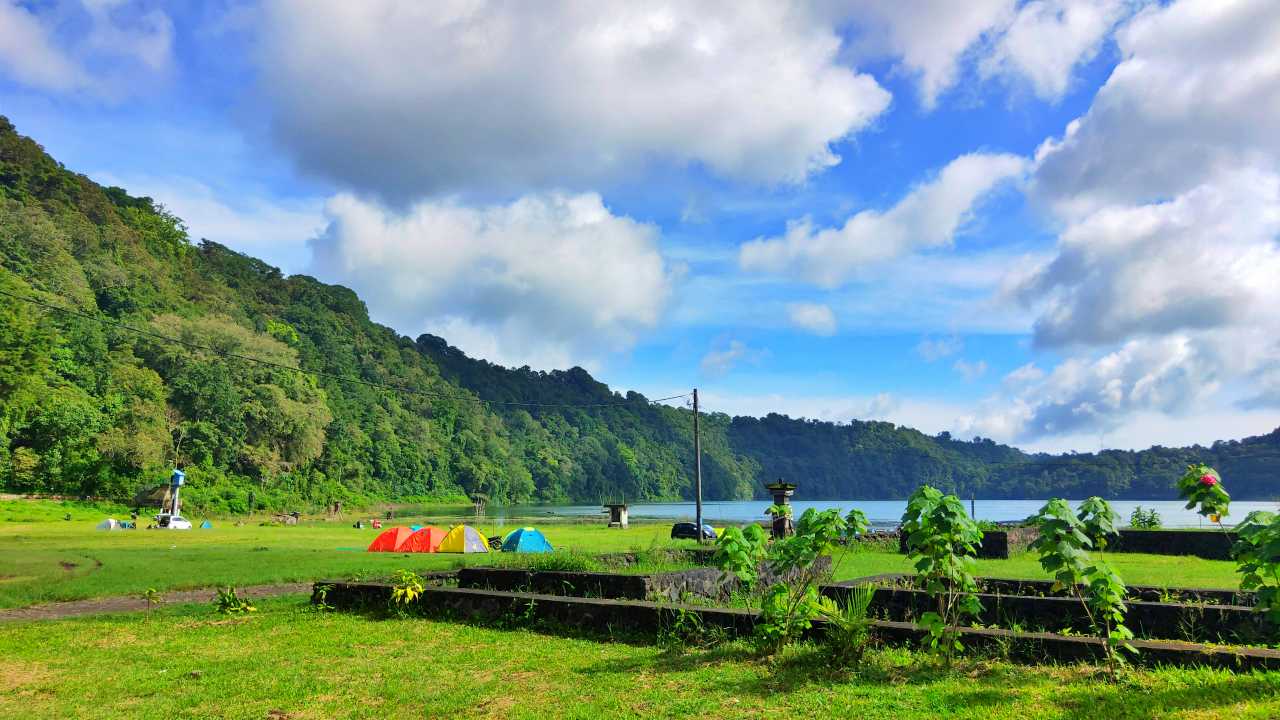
(126,348)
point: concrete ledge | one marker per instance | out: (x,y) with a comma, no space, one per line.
(1208,544)
(648,619)
(996,544)
(1165,620)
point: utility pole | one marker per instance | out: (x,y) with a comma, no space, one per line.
(697,468)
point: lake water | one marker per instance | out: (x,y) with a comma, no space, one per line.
(882,513)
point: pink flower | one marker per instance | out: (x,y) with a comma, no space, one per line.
(1208,480)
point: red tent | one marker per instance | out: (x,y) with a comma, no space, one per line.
(426,539)
(390,540)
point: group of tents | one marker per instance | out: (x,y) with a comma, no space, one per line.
(460,539)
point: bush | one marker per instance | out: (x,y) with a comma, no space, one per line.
(1145,519)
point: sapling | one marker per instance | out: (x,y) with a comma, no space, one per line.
(941,541)
(1098,520)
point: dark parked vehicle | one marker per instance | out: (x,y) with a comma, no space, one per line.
(689,531)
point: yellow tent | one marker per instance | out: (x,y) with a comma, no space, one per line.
(464,539)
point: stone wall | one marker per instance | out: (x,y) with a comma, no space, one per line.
(629,617)
(996,544)
(1207,544)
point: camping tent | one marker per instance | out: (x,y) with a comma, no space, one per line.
(527,540)
(390,540)
(426,539)
(109,524)
(206,525)
(464,539)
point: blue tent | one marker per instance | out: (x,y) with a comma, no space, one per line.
(526,540)
(206,525)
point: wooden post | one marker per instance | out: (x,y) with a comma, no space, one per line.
(697,469)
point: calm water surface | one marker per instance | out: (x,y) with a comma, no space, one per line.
(882,513)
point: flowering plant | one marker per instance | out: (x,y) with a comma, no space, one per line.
(1201,487)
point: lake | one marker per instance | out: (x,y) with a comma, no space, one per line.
(882,513)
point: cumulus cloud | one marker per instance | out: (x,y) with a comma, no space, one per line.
(930,38)
(813,317)
(927,217)
(1196,94)
(1163,289)
(98,47)
(719,361)
(1040,42)
(542,280)
(1047,39)
(410,99)
(1202,260)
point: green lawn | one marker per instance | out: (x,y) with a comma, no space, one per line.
(45,561)
(69,560)
(301,664)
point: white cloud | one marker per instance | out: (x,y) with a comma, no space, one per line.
(1048,39)
(1197,94)
(1163,290)
(970,371)
(1204,259)
(103,48)
(719,361)
(931,38)
(927,217)
(813,317)
(932,349)
(408,99)
(928,416)
(1041,42)
(29,54)
(546,279)
(274,230)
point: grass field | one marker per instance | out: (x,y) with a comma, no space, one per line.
(287,662)
(68,560)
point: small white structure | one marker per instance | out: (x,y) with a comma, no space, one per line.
(617,515)
(109,524)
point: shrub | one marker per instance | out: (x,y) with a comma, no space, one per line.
(1145,519)
(739,551)
(407,586)
(848,625)
(941,541)
(1257,554)
(228,603)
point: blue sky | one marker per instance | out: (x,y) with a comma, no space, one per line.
(1053,223)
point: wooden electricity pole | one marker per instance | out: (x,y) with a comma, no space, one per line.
(697,469)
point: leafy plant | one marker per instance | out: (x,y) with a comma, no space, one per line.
(1257,554)
(228,602)
(1146,519)
(739,551)
(1063,546)
(406,589)
(153,597)
(1104,597)
(1201,487)
(941,541)
(779,511)
(848,625)
(1098,520)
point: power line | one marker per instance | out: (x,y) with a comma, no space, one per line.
(318,373)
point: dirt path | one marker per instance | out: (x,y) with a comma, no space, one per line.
(134,603)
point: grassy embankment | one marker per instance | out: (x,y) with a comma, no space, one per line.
(67,560)
(285,661)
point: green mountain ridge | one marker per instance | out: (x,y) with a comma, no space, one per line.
(99,401)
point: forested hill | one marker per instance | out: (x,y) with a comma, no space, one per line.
(101,400)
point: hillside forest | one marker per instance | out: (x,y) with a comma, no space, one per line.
(125,347)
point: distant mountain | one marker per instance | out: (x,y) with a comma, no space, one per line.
(89,406)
